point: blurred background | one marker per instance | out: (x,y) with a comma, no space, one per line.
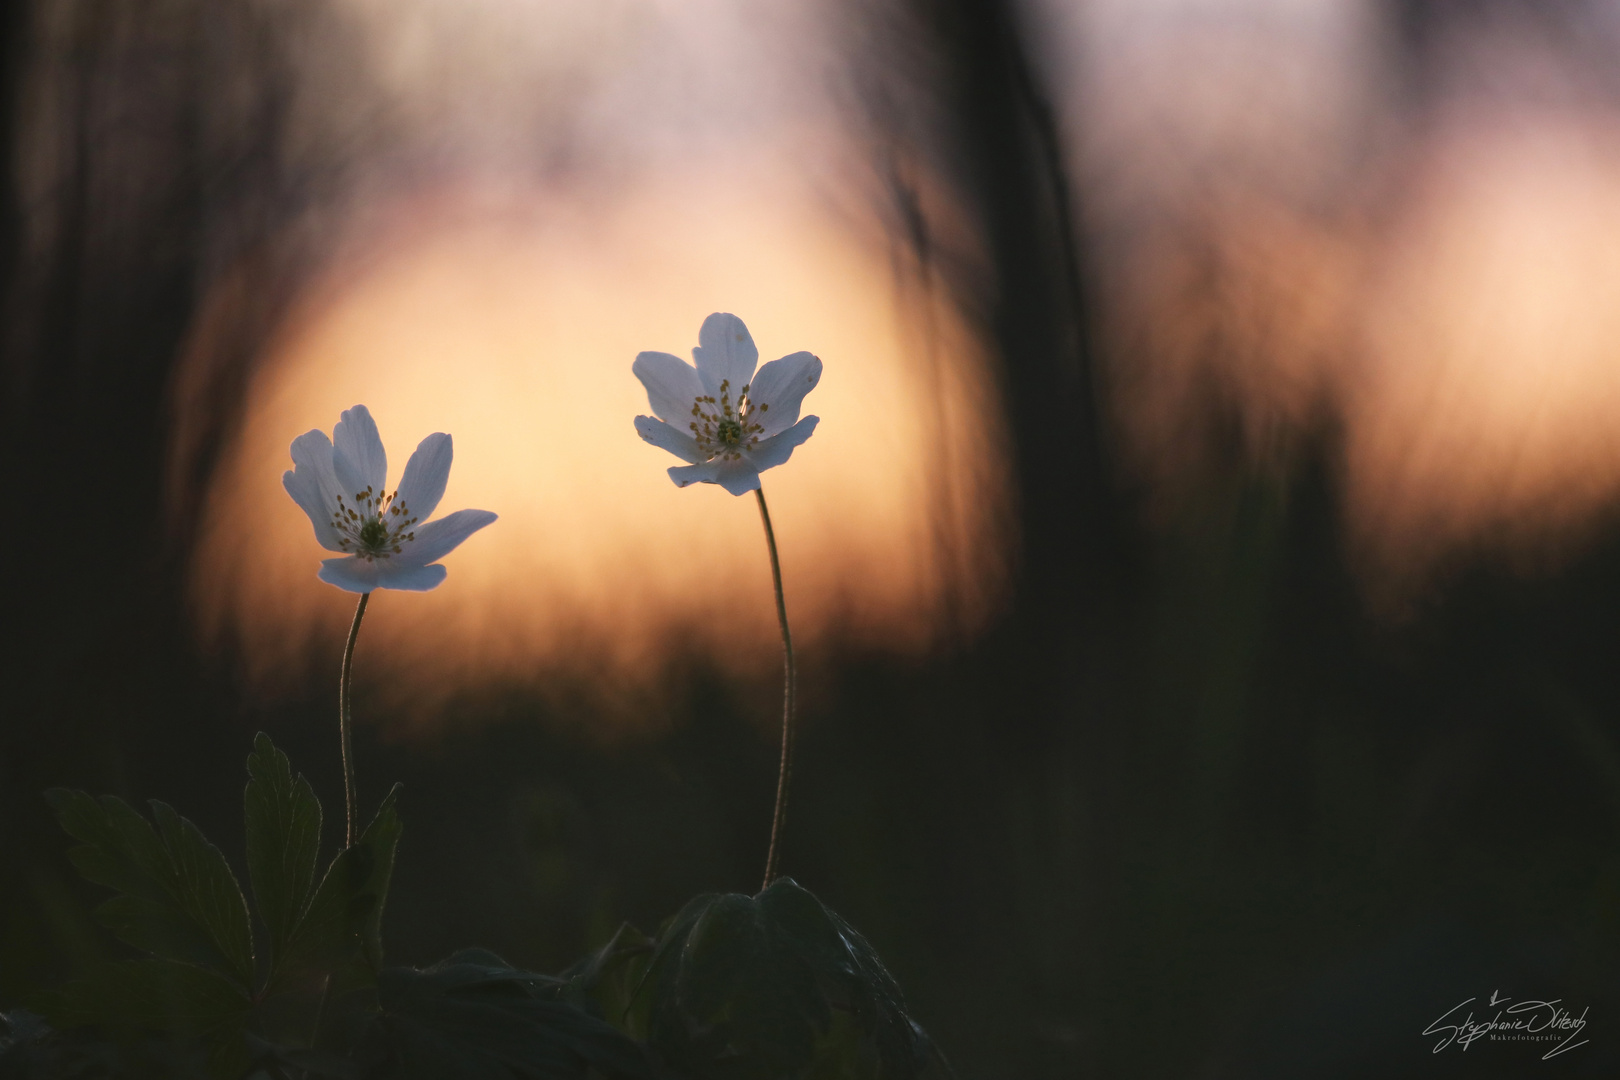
(1206,571)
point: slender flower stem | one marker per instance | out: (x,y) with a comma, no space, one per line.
(346,723)
(785,773)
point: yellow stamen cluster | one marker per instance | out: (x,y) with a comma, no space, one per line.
(723,429)
(375,527)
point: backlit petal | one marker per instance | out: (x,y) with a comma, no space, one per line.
(360,460)
(779,388)
(438,538)
(353,574)
(313,485)
(739,476)
(672,386)
(686,475)
(774,451)
(666,437)
(426,474)
(725,353)
(356,575)
(392,575)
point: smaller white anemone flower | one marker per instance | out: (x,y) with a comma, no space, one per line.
(385,540)
(730,423)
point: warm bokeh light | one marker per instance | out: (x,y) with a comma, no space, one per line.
(1488,413)
(1276,249)
(1216,150)
(510,320)
(1292,235)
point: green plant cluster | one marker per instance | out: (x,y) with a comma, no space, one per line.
(732,988)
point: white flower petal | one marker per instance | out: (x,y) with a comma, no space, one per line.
(313,485)
(738,476)
(360,460)
(779,389)
(392,575)
(686,475)
(438,538)
(774,451)
(426,474)
(306,492)
(672,386)
(352,574)
(666,437)
(726,353)
(356,575)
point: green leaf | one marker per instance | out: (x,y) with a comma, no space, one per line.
(810,926)
(162,929)
(207,889)
(849,970)
(373,872)
(342,926)
(283,840)
(179,899)
(605,982)
(758,988)
(473,1015)
(121,850)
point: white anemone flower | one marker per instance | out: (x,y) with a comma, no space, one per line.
(730,423)
(339,483)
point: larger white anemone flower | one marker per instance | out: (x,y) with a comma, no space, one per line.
(729,422)
(339,482)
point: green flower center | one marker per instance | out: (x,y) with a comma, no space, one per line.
(373,533)
(375,527)
(725,428)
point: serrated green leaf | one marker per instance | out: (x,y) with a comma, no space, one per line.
(606,981)
(472,1015)
(374,871)
(323,939)
(342,926)
(207,889)
(849,969)
(671,938)
(120,849)
(757,988)
(730,1000)
(162,929)
(726,943)
(283,840)
(808,924)
(877,1002)
(179,898)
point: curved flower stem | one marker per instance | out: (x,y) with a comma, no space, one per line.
(785,773)
(345,723)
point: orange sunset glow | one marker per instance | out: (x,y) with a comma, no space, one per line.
(511,322)
(1282,249)
(1488,411)
(1439,297)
